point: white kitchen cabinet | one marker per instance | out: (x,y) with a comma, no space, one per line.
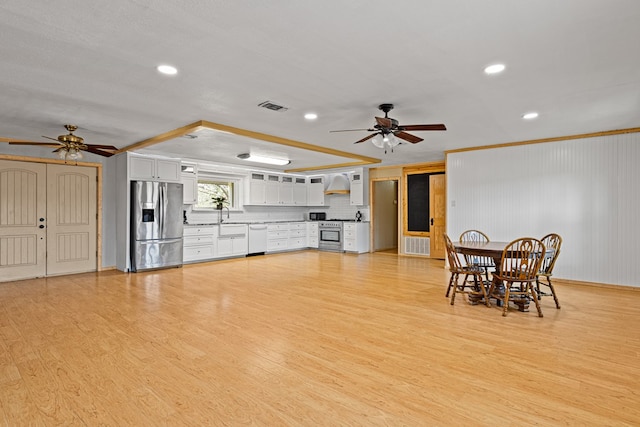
(277,237)
(285,193)
(232,240)
(312,234)
(257,189)
(300,191)
(272,190)
(154,169)
(356,195)
(199,243)
(315,194)
(356,237)
(297,235)
(232,246)
(189,188)
(275,190)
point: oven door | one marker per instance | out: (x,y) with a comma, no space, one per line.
(330,239)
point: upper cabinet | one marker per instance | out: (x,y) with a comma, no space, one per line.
(275,190)
(154,169)
(300,191)
(315,191)
(257,187)
(189,179)
(272,190)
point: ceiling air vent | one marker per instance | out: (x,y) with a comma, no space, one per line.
(271,106)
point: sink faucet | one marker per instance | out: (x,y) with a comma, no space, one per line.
(220,215)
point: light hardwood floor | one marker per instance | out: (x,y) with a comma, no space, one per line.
(310,339)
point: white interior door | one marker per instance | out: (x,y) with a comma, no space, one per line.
(22,213)
(71,219)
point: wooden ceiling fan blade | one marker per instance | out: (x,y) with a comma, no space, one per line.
(408,137)
(103,147)
(384,122)
(99,151)
(424,127)
(366,138)
(352,130)
(43,144)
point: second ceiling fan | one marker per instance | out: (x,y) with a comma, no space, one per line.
(387,129)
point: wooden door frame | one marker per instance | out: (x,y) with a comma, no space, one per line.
(427,168)
(98,167)
(372,244)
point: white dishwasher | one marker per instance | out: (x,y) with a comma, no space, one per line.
(257,239)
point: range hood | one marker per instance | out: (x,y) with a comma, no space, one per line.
(339,185)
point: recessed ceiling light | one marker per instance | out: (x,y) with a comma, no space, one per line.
(311,116)
(263,159)
(167,69)
(530,116)
(494,69)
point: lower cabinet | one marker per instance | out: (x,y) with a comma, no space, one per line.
(312,235)
(277,237)
(208,242)
(356,237)
(297,235)
(232,246)
(199,243)
(286,236)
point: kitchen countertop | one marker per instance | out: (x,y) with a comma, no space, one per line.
(199,224)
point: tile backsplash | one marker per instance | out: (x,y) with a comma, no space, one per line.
(336,206)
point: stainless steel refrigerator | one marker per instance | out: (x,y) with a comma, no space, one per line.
(156,225)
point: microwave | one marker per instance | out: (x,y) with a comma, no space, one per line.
(317,216)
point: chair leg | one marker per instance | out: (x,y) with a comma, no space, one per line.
(455,289)
(450,284)
(484,292)
(532,290)
(553,292)
(489,293)
(506,299)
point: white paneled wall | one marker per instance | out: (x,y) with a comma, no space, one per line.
(586,190)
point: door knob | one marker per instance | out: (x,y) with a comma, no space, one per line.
(41,226)
(41,219)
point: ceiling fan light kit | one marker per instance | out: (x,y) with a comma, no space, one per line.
(388,132)
(386,142)
(70,154)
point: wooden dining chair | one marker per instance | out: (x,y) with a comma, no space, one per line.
(456,268)
(517,273)
(552,243)
(484,262)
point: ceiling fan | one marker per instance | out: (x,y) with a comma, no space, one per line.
(387,130)
(70,146)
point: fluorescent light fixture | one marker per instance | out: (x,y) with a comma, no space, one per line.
(167,69)
(263,159)
(311,116)
(494,69)
(530,116)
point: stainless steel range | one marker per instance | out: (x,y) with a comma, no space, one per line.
(330,238)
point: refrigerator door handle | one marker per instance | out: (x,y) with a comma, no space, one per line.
(162,207)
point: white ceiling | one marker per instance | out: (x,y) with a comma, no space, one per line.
(93,64)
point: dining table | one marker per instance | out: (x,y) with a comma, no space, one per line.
(494,250)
